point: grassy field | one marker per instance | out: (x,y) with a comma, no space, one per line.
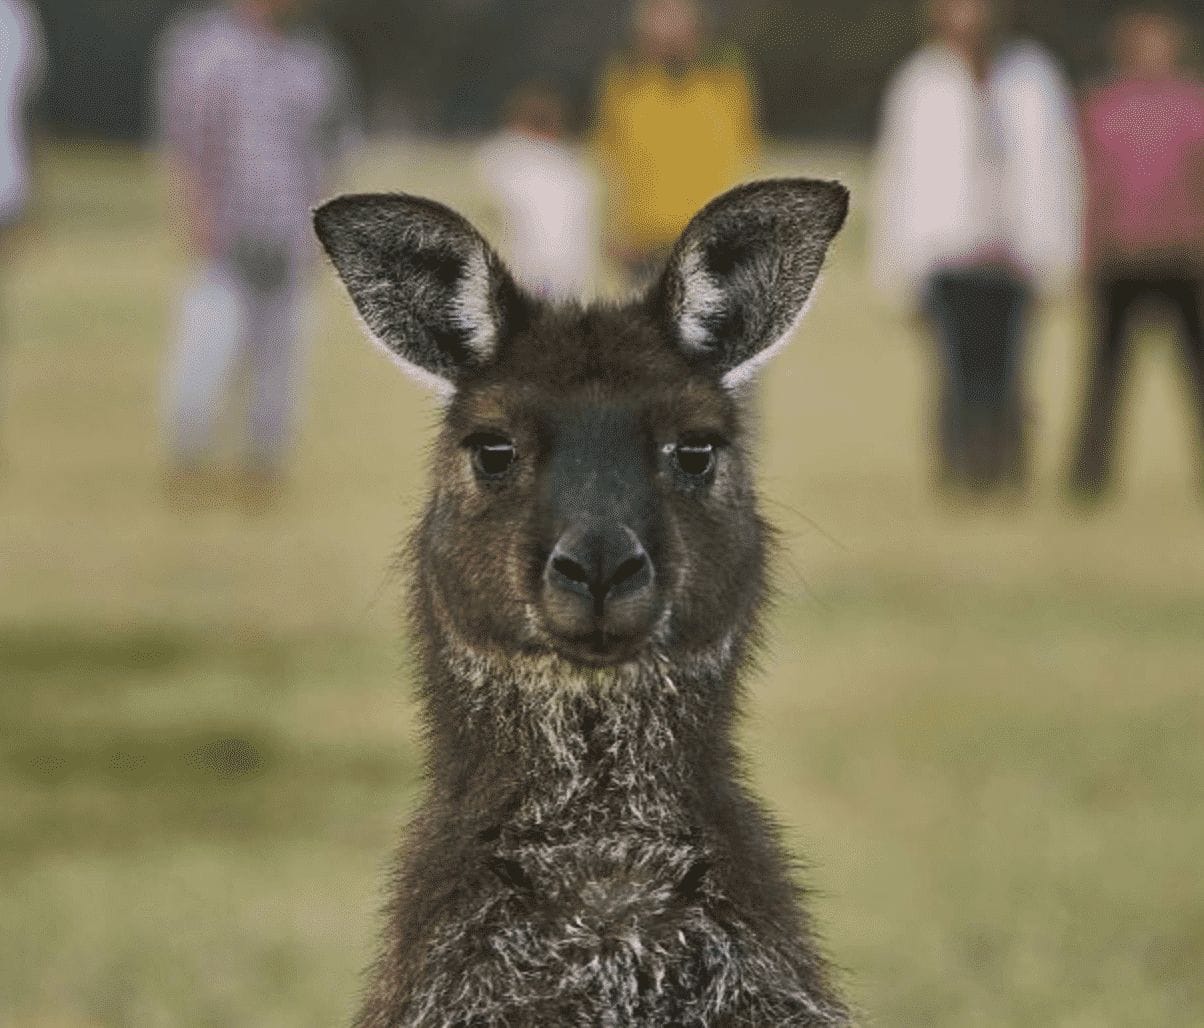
(983,729)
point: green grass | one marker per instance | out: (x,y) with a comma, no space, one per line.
(982,728)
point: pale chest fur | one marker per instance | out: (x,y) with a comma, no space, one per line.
(619,930)
(595,901)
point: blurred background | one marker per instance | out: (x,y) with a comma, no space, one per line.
(981,710)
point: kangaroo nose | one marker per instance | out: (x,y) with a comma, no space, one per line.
(599,564)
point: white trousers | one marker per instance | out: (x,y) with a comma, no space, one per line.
(224,322)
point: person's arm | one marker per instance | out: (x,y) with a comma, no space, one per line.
(32,81)
(1069,144)
(1095,180)
(891,231)
(183,103)
(1197,173)
(192,206)
(342,129)
(1198,193)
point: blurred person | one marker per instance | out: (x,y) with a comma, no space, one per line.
(546,196)
(676,126)
(22,66)
(977,208)
(1144,145)
(255,113)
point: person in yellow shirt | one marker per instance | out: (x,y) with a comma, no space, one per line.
(676,126)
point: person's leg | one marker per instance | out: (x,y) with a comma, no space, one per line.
(1187,297)
(274,353)
(1092,468)
(978,310)
(943,303)
(983,354)
(1011,444)
(5,342)
(211,327)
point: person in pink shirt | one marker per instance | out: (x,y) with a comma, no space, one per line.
(1144,149)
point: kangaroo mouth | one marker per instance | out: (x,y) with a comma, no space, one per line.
(587,632)
(600,648)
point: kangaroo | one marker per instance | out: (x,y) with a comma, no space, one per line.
(587,580)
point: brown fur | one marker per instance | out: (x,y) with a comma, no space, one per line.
(587,854)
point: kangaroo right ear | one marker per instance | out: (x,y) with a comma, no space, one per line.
(738,281)
(428,287)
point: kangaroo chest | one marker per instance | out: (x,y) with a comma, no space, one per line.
(623,928)
(597,898)
(616,928)
(597,907)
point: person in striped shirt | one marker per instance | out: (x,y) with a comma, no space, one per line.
(255,114)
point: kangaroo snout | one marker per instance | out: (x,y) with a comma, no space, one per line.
(599,564)
(599,587)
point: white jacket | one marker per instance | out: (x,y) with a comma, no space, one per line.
(926,212)
(22,64)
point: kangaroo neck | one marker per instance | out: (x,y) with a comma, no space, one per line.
(560,745)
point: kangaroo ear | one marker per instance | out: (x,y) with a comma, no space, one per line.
(428,287)
(738,281)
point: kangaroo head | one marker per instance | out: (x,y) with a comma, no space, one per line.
(592,497)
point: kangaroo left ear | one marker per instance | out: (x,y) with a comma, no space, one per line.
(737,283)
(429,288)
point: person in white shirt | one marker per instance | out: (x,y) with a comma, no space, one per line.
(545,195)
(977,210)
(22,66)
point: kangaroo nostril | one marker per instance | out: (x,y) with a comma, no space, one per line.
(626,571)
(571,570)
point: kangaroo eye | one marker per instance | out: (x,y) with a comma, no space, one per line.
(695,459)
(492,455)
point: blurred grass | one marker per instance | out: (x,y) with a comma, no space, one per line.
(982,729)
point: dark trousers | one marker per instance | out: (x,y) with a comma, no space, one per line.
(980,317)
(1117,298)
